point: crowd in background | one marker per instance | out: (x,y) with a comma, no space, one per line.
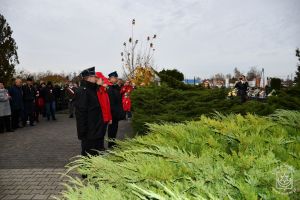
(25,103)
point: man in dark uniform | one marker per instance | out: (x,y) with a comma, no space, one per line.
(242,87)
(90,125)
(116,107)
(29,93)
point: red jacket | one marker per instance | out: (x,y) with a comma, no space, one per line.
(126,104)
(104,103)
(126,89)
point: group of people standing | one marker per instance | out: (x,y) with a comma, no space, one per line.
(100,103)
(22,104)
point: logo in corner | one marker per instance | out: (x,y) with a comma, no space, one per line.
(285,179)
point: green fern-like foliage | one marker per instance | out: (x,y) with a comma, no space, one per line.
(218,157)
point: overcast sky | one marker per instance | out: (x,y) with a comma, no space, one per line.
(198,37)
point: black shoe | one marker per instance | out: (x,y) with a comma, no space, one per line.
(54,119)
(71,116)
(31,124)
(10,130)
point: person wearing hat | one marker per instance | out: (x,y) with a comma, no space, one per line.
(89,120)
(116,107)
(29,94)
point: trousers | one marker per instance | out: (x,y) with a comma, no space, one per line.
(112,132)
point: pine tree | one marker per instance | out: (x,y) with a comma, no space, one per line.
(8,51)
(173,73)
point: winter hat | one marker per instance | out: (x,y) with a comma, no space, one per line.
(113,74)
(88,72)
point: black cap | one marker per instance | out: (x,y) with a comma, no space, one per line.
(29,79)
(88,72)
(114,74)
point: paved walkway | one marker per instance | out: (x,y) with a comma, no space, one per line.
(32,158)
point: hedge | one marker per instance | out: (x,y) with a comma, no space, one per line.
(219,157)
(165,104)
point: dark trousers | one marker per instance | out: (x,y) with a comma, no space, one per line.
(243,95)
(129,114)
(112,132)
(38,110)
(28,112)
(15,118)
(5,124)
(50,110)
(91,146)
(243,98)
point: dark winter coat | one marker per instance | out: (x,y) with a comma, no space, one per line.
(90,124)
(16,101)
(116,105)
(29,93)
(57,92)
(48,94)
(242,88)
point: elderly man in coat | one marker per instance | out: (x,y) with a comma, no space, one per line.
(90,124)
(5,112)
